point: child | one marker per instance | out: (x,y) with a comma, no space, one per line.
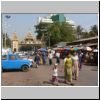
(55,75)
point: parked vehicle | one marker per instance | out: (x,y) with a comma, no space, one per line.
(30,58)
(13,61)
(27,57)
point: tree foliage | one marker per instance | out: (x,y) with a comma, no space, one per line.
(8,40)
(41,29)
(94,30)
(86,35)
(56,31)
(67,32)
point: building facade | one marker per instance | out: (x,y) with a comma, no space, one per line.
(56,18)
(29,40)
(15,43)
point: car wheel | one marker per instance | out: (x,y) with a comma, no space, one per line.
(31,66)
(25,68)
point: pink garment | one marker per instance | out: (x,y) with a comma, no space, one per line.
(75,68)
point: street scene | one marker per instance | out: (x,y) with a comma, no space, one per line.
(49,50)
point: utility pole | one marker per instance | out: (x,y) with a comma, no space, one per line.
(7,17)
(49,40)
(5,40)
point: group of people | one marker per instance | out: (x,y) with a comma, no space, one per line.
(51,55)
(41,57)
(91,58)
(72,65)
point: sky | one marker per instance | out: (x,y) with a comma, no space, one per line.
(23,23)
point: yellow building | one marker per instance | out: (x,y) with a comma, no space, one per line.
(15,42)
(28,40)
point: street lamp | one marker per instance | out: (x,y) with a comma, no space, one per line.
(43,40)
(7,17)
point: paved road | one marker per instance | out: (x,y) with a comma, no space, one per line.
(41,77)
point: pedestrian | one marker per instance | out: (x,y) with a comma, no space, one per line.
(68,69)
(50,56)
(96,58)
(55,75)
(57,57)
(91,58)
(80,56)
(37,60)
(53,52)
(41,59)
(86,57)
(44,57)
(75,61)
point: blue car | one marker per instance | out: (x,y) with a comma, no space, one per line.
(13,61)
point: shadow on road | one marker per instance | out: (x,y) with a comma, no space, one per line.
(12,70)
(50,82)
(47,82)
(61,77)
(94,69)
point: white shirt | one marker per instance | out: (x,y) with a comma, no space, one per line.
(75,58)
(53,52)
(55,72)
(50,56)
(57,54)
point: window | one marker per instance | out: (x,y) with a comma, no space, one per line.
(12,57)
(4,57)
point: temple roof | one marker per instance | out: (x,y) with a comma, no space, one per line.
(15,37)
(29,36)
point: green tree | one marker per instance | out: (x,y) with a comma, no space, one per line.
(86,35)
(67,32)
(94,30)
(56,32)
(41,29)
(8,40)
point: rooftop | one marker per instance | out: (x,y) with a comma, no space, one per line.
(96,37)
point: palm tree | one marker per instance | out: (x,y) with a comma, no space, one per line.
(79,30)
(94,30)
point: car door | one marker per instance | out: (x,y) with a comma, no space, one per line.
(12,64)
